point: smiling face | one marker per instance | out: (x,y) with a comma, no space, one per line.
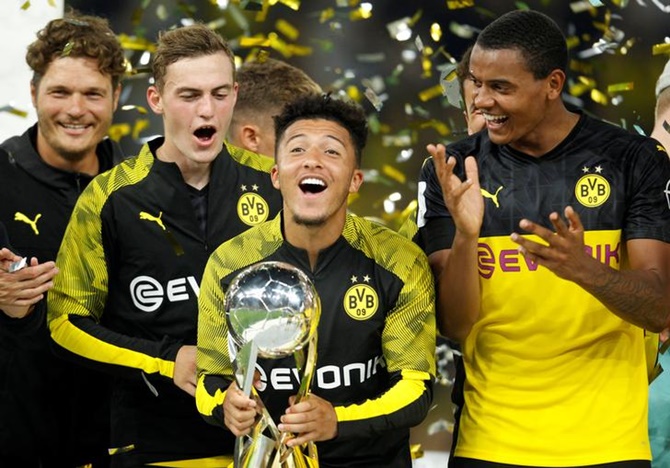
(513,102)
(316,170)
(75,103)
(196,103)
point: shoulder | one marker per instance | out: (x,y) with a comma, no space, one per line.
(386,247)
(248,159)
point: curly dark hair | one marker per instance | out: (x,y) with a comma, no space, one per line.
(534,34)
(77,35)
(310,107)
(195,40)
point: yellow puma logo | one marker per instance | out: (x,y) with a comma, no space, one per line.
(493,197)
(18,216)
(155,219)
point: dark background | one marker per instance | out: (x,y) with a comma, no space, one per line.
(348,55)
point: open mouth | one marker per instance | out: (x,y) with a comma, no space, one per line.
(205,134)
(312,185)
(495,119)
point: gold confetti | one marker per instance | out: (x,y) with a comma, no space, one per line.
(458,4)
(139,109)
(436,32)
(26,5)
(618,87)
(136,43)
(287,29)
(292,4)
(394,173)
(10,109)
(658,49)
(599,97)
(430,93)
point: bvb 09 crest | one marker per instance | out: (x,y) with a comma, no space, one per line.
(252,209)
(592,190)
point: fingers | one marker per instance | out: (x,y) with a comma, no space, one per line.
(239,411)
(313,419)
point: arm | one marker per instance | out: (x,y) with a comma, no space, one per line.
(77,301)
(638,294)
(217,397)
(455,269)
(408,343)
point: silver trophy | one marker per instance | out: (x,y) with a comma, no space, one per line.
(272,311)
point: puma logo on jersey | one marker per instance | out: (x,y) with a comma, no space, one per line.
(155,219)
(493,197)
(18,216)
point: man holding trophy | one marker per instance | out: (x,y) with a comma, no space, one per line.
(371,375)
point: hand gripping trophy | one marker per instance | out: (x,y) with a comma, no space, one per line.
(272,311)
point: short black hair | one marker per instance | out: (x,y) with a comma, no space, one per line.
(311,107)
(534,34)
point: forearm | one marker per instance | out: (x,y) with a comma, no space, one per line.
(639,297)
(209,396)
(458,294)
(404,405)
(85,341)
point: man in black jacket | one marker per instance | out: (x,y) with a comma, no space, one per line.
(47,417)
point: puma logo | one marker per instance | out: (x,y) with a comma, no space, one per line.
(155,219)
(493,197)
(18,216)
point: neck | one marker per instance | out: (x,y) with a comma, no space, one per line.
(549,133)
(194,173)
(313,239)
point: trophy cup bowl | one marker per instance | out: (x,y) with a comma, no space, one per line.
(274,305)
(272,310)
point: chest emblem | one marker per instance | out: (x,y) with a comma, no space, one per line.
(493,197)
(18,216)
(361,301)
(252,208)
(156,219)
(592,190)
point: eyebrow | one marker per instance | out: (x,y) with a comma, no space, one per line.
(226,87)
(304,134)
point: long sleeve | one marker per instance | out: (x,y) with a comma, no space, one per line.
(78,298)
(408,342)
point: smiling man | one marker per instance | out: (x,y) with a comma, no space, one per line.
(377,296)
(77,64)
(132,258)
(549,238)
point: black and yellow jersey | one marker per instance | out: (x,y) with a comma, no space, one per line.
(376,338)
(70,428)
(553,377)
(125,300)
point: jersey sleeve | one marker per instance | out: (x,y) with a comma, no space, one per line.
(436,228)
(77,301)
(215,371)
(408,342)
(648,214)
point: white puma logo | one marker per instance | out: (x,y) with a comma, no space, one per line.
(155,219)
(18,216)
(493,197)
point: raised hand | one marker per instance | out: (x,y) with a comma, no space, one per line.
(462,198)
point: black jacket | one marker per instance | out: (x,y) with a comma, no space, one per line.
(48,414)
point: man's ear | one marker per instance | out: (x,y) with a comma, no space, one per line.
(274,175)
(250,137)
(555,81)
(154,99)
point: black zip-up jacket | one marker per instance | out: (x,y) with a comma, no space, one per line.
(51,412)
(125,300)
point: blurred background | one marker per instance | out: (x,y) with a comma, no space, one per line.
(392,56)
